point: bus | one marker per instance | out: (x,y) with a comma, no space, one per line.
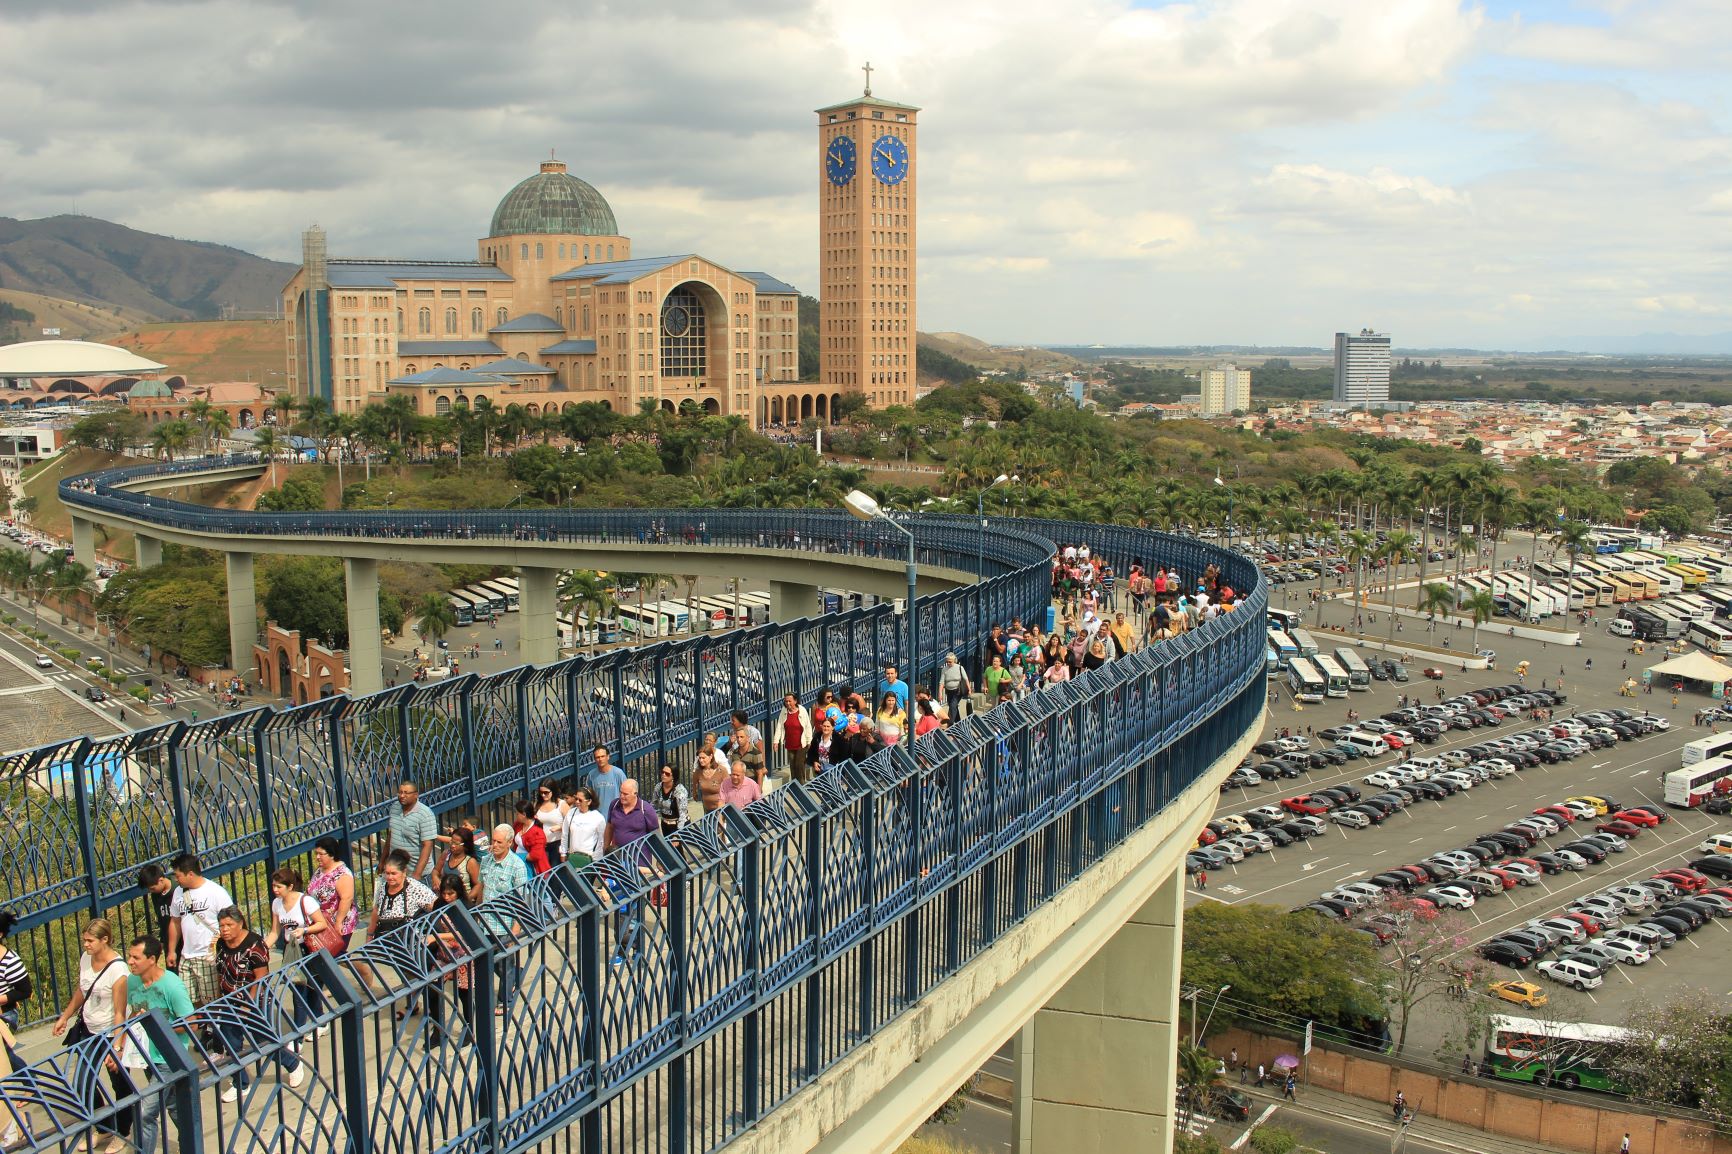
(1271,663)
(499,588)
(1283,646)
(480,608)
(1692,785)
(1304,681)
(1284,619)
(495,602)
(1569,1055)
(756,607)
(1693,576)
(717,611)
(1335,681)
(1358,673)
(1703,748)
(462,612)
(1710,636)
(635,622)
(1304,642)
(674,616)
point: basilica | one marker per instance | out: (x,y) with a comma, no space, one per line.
(555,310)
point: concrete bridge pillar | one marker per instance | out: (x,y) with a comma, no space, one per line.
(366,655)
(149,550)
(790,601)
(243,611)
(84,542)
(538,615)
(1094,1067)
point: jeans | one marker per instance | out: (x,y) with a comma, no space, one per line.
(234,1041)
(151,1103)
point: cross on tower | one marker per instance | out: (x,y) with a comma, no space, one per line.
(868,71)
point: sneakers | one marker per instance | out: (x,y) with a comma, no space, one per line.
(323,1030)
(230,1094)
(297,1076)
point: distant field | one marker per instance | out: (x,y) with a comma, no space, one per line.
(75,320)
(208,351)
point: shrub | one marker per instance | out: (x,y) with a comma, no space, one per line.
(1274,1140)
(141,693)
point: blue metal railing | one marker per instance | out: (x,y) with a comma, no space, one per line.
(669,998)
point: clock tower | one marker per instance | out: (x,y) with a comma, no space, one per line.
(867,171)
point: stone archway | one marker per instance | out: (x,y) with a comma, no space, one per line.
(806,406)
(821,407)
(711,406)
(835,404)
(775,410)
(285,670)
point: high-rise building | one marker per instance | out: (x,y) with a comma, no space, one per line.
(1362,368)
(1225,389)
(867,241)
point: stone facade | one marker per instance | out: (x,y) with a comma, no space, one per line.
(284,666)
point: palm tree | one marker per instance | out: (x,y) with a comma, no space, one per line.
(1359,549)
(436,614)
(285,406)
(1482,607)
(171,437)
(1198,1077)
(583,589)
(1574,537)
(1331,536)
(268,441)
(217,426)
(1540,511)
(1436,598)
(70,578)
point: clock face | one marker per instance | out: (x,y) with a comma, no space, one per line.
(839,161)
(676,320)
(890,159)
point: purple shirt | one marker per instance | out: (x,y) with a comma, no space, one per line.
(629,827)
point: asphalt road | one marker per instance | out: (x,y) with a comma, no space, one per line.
(1630,773)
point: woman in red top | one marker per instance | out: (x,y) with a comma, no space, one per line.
(530,838)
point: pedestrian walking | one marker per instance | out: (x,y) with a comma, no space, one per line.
(1288,1088)
(1202,879)
(1624,1146)
(1262,1074)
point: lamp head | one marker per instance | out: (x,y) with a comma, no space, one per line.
(1218,480)
(1002,478)
(862,506)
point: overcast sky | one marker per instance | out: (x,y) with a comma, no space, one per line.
(1504,174)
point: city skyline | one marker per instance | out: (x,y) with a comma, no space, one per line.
(1498,175)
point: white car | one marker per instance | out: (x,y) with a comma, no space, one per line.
(1450,897)
(1527,875)
(1620,628)
(1229,849)
(1574,861)
(1499,767)
(1459,778)
(1383,779)
(1657,724)
(1351,818)
(1365,890)
(1632,898)
(1357,900)
(43,661)
(1577,974)
(1626,950)
(1559,929)
(1414,773)
(1580,808)
(1256,842)
(1376,725)
(1272,812)
(1455,759)
(1294,744)
(1544,820)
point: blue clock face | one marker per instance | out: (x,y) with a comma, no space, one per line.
(839,161)
(890,159)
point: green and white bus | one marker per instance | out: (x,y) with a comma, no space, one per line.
(1568,1055)
(1358,673)
(1303,680)
(1334,677)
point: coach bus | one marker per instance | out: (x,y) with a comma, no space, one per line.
(1710,636)
(1358,673)
(1703,748)
(1692,785)
(495,602)
(462,612)
(1285,650)
(1334,677)
(1569,1055)
(480,608)
(1304,642)
(505,587)
(1304,681)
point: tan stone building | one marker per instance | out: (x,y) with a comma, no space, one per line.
(555,311)
(867,242)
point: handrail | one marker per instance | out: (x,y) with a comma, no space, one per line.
(790,932)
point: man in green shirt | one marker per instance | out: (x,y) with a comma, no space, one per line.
(151,987)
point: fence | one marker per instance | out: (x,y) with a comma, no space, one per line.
(791,931)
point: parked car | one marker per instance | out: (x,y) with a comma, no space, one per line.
(1521,993)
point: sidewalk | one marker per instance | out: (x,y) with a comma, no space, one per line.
(1375,1117)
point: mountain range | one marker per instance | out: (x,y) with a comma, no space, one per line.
(81,258)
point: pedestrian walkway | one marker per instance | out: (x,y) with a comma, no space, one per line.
(1377,1117)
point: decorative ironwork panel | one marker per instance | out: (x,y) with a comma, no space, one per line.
(438,746)
(220,784)
(719,978)
(134,813)
(370,736)
(42,863)
(638,1023)
(300,775)
(495,732)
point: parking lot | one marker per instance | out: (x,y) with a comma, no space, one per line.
(1629,772)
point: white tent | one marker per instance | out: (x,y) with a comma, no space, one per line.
(1693,667)
(70,359)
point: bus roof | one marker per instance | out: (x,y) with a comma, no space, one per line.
(1566,1031)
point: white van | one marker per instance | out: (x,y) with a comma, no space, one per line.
(1571,973)
(1619,627)
(1717,843)
(1368,744)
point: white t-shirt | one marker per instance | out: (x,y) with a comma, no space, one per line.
(293,920)
(197,911)
(583,830)
(98,987)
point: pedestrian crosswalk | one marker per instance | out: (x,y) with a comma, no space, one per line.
(1195,1124)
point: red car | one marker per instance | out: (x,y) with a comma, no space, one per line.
(1207,836)
(1624,829)
(1556,811)
(1433,673)
(1416,871)
(1393,741)
(1688,880)
(1307,803)
(1509,880)
(1586,922)
(1635,817)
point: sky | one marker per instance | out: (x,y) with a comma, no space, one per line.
(1504,174)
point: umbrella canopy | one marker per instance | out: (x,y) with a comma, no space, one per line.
(1694,667)
(1286,1062)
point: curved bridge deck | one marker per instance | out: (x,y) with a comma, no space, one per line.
(672,995)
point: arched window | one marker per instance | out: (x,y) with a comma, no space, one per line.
(441,406)
(399,322)
(562,250)
(475,320)
(559,315)
(451,322)
(499,316)
(586,252)
(425,321)
(524,252)
(537,250)
(610,252)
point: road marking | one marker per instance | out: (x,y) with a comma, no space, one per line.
(1268,1110)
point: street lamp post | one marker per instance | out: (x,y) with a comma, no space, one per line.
(862,505)
(1194,992)
(980,510)
(1229,489)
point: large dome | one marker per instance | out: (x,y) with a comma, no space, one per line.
(554,202)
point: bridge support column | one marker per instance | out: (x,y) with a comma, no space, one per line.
(243,611)
(790,601)
(538,615)
(149,550)
(84,542)
(1094,1067)
(366,656)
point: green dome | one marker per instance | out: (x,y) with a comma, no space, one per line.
(556,203)
(150,389)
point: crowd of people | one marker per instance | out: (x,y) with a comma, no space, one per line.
(200,945)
